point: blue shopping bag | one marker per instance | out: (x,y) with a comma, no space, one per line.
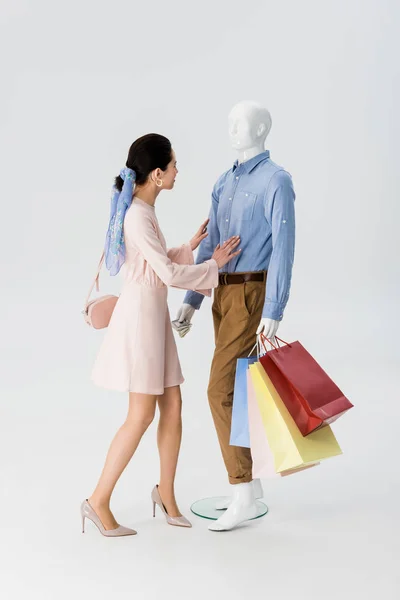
(240,435)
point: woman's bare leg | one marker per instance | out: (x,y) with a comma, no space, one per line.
(169,437)
(140,415)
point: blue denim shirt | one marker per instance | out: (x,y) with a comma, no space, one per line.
(255,200)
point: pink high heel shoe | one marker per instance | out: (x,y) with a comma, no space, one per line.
(87,512)
(177,521)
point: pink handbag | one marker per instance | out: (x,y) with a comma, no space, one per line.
(97,313)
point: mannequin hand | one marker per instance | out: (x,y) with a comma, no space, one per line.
(269,327)
(199,236)
(185,313)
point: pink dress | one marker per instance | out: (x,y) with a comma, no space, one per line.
(138,353)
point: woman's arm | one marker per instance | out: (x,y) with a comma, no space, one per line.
(183,255)
(184,276)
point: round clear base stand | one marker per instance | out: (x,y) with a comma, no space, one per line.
(206,508)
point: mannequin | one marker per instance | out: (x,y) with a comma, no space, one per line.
(249,126)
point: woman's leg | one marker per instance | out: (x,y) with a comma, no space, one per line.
(140,415)
(169,441)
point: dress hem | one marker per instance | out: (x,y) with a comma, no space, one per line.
(135,391)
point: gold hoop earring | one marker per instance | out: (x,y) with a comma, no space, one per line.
(159,184)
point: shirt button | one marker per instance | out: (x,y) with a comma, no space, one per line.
(246,195)
(237,177)
(227,220)
(230,198)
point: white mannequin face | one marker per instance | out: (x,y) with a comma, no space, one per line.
(247,127)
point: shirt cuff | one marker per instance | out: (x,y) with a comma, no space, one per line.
(215,269)
(214,280)
(194,299)
(189,253)
(273,310)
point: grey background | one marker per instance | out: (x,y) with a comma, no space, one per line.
(81,80)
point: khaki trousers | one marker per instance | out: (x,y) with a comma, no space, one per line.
(237,311)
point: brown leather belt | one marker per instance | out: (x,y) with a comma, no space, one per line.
(229,278)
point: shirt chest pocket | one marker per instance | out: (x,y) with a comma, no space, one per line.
(244,205)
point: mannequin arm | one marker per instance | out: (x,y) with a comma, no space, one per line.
(279,212)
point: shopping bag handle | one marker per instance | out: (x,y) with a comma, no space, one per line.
(283,342)
(264,338)
(278,347)
(256,345)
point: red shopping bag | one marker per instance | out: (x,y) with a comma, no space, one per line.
(309,394)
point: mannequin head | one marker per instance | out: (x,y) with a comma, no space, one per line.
(249,125)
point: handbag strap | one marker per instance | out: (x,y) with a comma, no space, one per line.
(95,281)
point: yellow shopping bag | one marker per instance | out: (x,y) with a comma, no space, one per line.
(289,447)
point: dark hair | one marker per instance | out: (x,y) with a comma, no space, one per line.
(149,152)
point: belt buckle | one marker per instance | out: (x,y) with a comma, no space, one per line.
(223,278)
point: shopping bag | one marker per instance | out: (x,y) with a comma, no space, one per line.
(309,394)
(289,447)
(240,419)
(263,459)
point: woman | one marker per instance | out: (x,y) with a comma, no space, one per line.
(138,354)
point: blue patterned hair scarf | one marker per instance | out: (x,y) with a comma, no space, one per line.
(115,245)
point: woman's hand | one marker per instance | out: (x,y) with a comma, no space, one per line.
(200,235)
(223,254)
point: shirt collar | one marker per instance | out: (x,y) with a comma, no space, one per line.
(250,164)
